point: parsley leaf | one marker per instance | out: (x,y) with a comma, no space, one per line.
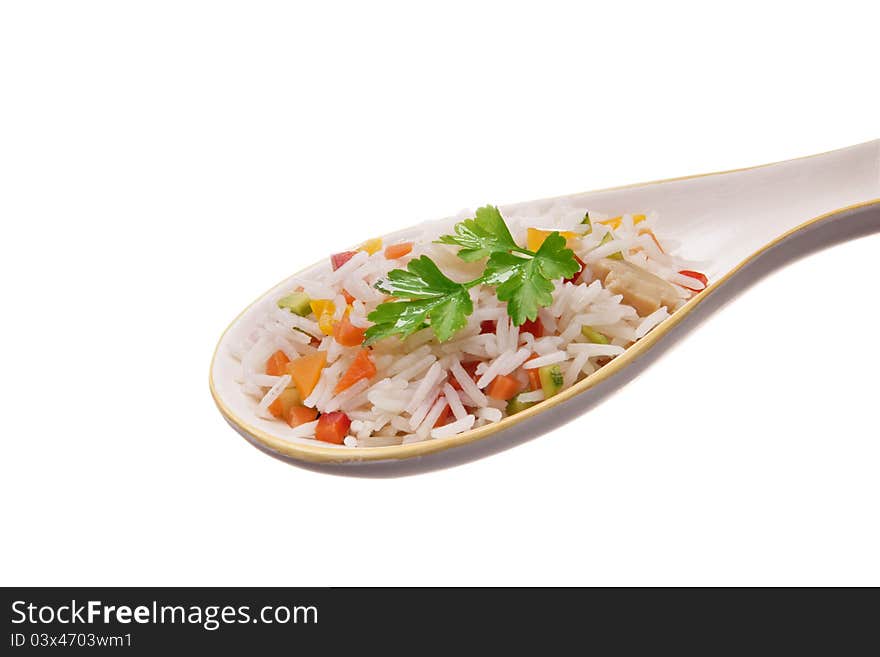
(523,278)
(432,299)
(481,236)
(526,284)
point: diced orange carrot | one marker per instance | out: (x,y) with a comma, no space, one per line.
(297,415)
(533,374)
(362,367)
(348,298)
(396,251)
(347,334)
(534,379)
(275,364)
(333,427)
(443,418)
(503,387)
(306,370)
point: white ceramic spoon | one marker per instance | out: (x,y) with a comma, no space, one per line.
(729,220)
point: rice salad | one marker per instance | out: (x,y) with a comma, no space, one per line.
(471,320)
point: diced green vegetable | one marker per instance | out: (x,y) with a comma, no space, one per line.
(588,223)
(594,336)
(609,237)
(297,303)
(551,379)
(514,406)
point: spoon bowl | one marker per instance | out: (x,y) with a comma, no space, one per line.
(738,222)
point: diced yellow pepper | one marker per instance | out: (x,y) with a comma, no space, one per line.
(324,310)
(326,323)
(371,246)
(614,222)
(322,307)
(535,237)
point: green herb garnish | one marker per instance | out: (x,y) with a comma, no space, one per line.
(482,236)
(523,278)
(526,284)
(431,296)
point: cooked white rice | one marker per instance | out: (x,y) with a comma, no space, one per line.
(419,379)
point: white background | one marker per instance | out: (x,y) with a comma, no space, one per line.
(163,163)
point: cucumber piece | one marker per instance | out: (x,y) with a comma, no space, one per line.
(608,237)
(594,336)
(297,303)
(551,379)
(514,406)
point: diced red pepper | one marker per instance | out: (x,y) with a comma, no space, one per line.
(488,326)
(348,298)
(339,259)
(332,427)
(536,328)
(471,369)
(575,277)
(694,274)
